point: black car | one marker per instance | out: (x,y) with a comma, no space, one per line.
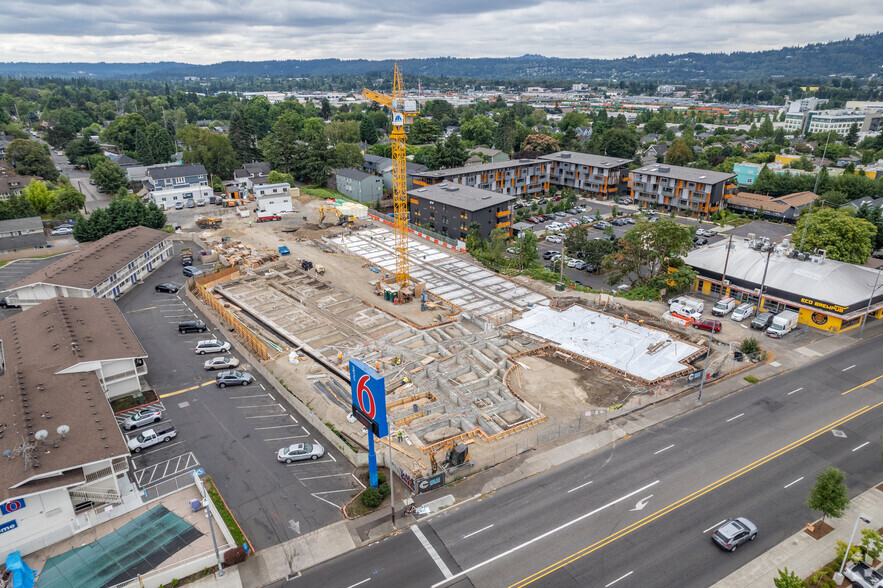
(542,201)
(185,261)
(192,327)
(167,287)
(700,241)
(762,321)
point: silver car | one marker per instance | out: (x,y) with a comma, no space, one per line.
(221,363)
(734,533)
(211,346)
(300,451)
(145,416)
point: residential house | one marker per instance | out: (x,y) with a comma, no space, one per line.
(22,233)
(450,208)
(382,166)
(12,185)
(871,202)
(655,152)
(489,155)
(169,184)
(847,159)
(780,208)
(250,174)
(106,268)
(583,133)
(597,176)
(685,189)
(358,185)
(68,462)
(5,140)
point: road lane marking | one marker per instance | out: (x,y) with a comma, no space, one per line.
(862,445)
(868,383)
(432,552)
(735,417)
(580,486)
(141,309)
(849,368)
(714,526)
(176,392)
(793,391)
(618,579)
(477,532)
(690,497)
(794,482)
(547,533)
(664,449)
(359,583)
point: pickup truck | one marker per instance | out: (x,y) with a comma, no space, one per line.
(151,437)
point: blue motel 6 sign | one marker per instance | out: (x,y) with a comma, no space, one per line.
(369,397)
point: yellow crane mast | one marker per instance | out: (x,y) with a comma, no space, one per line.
(403,112)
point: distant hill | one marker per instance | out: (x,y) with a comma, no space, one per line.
(860,56)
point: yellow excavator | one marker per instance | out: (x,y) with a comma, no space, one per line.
(457,455)
(342,219)
(208,223)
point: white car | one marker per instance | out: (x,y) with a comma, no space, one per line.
(211,346)
(300,451)
(554,239)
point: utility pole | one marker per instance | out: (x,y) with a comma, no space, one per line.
(705,369)
(815,191)
(726,262)
(870,299)
(392,494)
(763,281)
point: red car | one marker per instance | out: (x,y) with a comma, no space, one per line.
(707,325)
(269,217)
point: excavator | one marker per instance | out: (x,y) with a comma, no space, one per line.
(457,455)
(208,223)
(342,219)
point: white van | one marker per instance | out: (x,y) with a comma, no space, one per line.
(723,306)
(693,303)
(742,312)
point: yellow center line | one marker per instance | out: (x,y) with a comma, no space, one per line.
(176,392)
(690,498)
(868,383)
(141,309)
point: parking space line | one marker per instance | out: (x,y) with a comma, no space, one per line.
(328,476)
(284,438)
(273,427)
(244,397)
(149,452)
(256,406)
(264,416)
(316,495)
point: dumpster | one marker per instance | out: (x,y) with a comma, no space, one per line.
(559,286)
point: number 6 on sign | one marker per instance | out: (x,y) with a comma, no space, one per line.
(368,397)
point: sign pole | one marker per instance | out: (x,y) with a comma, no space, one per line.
(372,462)
(392,494)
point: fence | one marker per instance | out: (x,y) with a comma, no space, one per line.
(420,231)
(541,435)
(202,289)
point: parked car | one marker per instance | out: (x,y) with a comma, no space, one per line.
(742,312)
(192,327)
(200,202)
(185,261)
(762,321)
(145,416)
(560,214)
(300,451)
(7,303)
(707,325)
(166,287)
(652,219)
(602,225)
(547,255)
(572,211)
(91,182)
(221,363)
(624,201)
(62,231)
(591,269)
(179,205)
(542,201)
(233,378)
(700,241)
(191,271)
(554,239)
(190,203)
(723,306)
(863,575)
(211,346)
(580,264)
(630,220)
(705,233)
(734,533)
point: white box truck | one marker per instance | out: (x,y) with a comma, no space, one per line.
(783,323)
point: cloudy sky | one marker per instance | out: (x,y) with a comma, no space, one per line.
(210,31)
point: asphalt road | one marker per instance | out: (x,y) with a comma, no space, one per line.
(640,512)
(233,433)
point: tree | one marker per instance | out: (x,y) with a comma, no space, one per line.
(39,196)
(78,151)
(279,145)
(679,153)
(788,579)
(423,131)
(17,206)
(830,495)
(596,250)
(527,248)
(312,160)
(210,149)
(766,128)
(109,177)
(342,131)
(122,131)
(648,246)
(121,214)
(874,215)
(541,143)
(572,120)
(367,131)
(451,153)
(655,126)
(478,130)
(844,236)
(326,109)
(243,138)
(347,155)
(276,177)
(505,135)
(31,159)
(618,142)
(852,135)
(68,201)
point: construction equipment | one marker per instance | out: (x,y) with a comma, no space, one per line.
(342,219)
(403,113)
(208,223)
(457,455)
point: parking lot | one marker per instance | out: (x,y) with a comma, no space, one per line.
(233,433)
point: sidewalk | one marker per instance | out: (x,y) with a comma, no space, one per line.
(804,555)
(280,561)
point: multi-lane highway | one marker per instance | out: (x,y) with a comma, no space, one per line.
(640,512)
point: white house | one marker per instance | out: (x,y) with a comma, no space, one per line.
(273,198)
(106,268)
(67,465)
(168,198)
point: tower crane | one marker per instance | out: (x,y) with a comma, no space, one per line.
(403,113)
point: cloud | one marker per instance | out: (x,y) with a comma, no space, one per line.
(210,31)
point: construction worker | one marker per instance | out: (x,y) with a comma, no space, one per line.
(400,435)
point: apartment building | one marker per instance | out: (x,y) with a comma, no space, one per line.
(450,208)
(22,233)
(520,178)
(68,462)
(597,176)
(839,121)
(106,268)
(685,189)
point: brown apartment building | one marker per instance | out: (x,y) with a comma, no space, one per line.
(684,189)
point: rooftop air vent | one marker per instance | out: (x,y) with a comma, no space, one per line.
(565,156)
(664,170)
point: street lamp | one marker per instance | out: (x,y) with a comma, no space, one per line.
(705,369)
(838,577)
(870,299)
